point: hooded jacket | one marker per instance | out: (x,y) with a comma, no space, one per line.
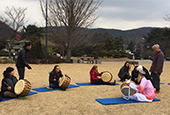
(22,58)
(55,75)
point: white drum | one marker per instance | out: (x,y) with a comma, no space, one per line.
(126,90)
(22,87)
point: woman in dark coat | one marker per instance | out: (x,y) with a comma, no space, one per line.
(135,74)
(8,83)
(54,77)
(124,72)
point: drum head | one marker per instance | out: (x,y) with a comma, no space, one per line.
(127,91)
(19,87)
(61,80)
(106,77)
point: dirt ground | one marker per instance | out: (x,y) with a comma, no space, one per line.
(81,100)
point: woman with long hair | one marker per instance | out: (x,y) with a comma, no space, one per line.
(95,77)
(124,72)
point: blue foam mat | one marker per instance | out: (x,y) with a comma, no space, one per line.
(30,93)
(44,89)
(161,83)
(168,83)
(86,84)
(119,100)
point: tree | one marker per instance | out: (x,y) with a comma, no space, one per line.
(30,30)
(109,44)
(103,53)
(36,51)
(34,35)
(118,44)
(131,46)
(15,19)
(167,18)
(72,15)
(159,36)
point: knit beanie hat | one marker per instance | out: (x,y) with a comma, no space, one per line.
(9,69)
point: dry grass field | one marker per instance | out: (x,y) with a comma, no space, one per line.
(81,100)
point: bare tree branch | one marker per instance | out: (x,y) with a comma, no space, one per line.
(16,20)
(16,17)
(167,17)
(73,15)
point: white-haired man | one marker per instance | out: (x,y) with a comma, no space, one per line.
(156,67)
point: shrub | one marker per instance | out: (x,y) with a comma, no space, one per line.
(6,60)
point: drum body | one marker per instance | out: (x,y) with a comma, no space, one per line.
(126,90)
(106,76)
(64,82)
(22,87)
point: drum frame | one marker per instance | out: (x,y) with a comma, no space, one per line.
(66,82)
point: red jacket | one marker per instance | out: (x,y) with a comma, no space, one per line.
(93,76)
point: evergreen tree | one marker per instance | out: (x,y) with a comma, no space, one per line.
(131,46)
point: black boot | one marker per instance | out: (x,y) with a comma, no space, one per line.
(113,83)
(0,98)
(122,80)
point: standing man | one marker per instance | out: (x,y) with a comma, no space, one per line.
(22,60)
(156,67)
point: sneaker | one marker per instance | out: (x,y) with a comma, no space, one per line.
(156,92)
(22,97)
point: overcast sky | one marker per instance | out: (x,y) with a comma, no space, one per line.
(114,14)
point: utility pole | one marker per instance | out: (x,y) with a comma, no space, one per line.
(46,35)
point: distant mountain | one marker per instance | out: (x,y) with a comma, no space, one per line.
(5,30)
(133,34)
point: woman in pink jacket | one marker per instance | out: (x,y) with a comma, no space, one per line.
(145,89)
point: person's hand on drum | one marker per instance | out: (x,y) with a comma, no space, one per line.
(101,72)
(9,88)
(55,79)
(128,84)
(99,77)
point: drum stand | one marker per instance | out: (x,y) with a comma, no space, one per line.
(127,97)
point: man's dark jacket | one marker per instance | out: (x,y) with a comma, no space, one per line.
(22,59)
